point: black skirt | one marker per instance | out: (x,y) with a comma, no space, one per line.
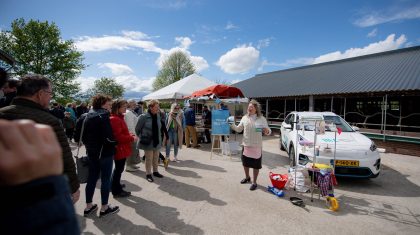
(251,162)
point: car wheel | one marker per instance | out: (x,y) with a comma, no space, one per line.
(281,144)
(292,158)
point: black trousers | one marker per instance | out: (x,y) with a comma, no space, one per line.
(69,133)
(116,176)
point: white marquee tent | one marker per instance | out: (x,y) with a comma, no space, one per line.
(180,89)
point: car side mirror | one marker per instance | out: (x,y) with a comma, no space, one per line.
(355,128)
(287,126)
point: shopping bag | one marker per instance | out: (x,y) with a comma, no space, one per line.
(82,167)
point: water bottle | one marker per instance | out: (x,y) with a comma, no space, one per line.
(275,191)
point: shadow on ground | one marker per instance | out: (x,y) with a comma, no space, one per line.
(386,184)
(187,192)
(163,217)
(182,173)
(198,165)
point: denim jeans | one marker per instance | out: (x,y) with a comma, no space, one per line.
(116,176)
(101,166)
(173,137)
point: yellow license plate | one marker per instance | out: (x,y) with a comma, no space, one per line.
(346,163)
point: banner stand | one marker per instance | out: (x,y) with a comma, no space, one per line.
(220,143)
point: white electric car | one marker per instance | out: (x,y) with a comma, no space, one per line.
(321,134)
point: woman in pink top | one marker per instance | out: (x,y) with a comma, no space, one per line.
(254,125)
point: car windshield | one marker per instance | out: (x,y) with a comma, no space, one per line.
(339,123)
(309,125)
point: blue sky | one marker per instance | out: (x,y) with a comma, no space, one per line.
(229,40)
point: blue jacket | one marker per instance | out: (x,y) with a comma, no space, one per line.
(189,117)
(41,206)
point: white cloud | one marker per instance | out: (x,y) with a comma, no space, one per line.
(264,43)
(230,26)
(129,40)
(372,33)
(185,42)
(239,60)
(86,82)
(288,63)
(135,34)
(376,18)
(199,62)
(116,69)
(236,81)
(390,43)
(131,83)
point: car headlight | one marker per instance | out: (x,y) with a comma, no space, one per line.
(372,146)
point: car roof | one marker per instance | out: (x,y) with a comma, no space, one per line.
(313,115)
(306,114)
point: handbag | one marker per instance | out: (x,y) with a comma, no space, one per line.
(82,163)
(82,166)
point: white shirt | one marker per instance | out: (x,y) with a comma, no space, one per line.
(130,119)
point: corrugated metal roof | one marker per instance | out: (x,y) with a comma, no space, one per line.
(397,70)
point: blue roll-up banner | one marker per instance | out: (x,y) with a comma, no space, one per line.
(219,124)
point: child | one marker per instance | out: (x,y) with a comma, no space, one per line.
(69,123)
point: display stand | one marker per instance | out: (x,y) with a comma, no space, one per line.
(319,130)
(220,142)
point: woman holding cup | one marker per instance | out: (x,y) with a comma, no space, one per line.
(254,125)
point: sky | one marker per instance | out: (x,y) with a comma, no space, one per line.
(227,40)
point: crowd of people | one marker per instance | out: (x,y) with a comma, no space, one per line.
(112,131)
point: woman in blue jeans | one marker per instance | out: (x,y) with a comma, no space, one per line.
(173,124)
(100,147)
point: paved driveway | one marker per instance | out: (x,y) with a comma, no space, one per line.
(203,196)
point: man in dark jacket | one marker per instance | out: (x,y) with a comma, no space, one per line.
(81,109)
(32,100)
(190,127)
(9,90)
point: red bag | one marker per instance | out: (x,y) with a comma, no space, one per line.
(278,180)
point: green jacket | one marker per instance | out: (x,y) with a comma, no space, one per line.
(21,108)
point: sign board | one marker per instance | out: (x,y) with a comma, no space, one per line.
(219,124)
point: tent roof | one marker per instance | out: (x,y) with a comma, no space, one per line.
(180,89)
(221,91)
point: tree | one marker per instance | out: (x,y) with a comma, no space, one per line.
(38,48)
(177,66)
(108,86)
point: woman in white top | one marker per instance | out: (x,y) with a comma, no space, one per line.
(254,126)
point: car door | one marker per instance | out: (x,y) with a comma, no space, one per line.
(286,128)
